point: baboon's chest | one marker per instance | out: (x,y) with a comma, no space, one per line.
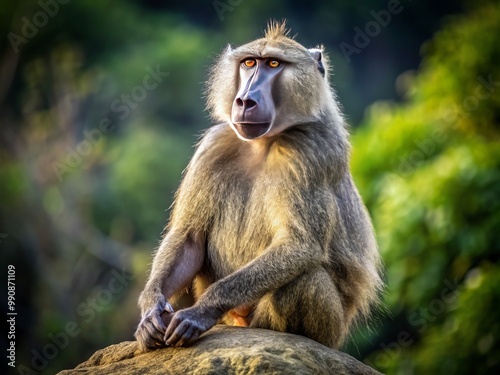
(240,230)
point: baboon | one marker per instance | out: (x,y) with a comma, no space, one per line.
(267,226)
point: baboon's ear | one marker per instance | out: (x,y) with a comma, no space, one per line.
(317,54)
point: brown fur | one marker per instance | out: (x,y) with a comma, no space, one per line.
(275,222)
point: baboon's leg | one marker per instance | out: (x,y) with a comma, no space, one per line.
(309,306)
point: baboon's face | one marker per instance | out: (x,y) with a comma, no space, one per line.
(254,109)
(266,86)
(278,84)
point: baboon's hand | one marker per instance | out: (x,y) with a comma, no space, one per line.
(188,324)
(151,328)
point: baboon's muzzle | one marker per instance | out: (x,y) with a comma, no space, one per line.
(253,108)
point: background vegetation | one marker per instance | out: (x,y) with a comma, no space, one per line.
(90,155)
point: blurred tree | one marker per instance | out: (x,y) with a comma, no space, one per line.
(80,130)
(430,173)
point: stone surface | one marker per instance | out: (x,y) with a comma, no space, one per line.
(226,350)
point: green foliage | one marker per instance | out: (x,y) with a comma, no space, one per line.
(429,171)
(130,186)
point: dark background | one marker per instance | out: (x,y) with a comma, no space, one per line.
(90,158)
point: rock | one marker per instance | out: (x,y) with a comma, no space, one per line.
(226,350)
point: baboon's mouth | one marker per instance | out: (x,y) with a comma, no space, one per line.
(251,130)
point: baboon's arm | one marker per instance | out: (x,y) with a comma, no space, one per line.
(277,266)
(175,265)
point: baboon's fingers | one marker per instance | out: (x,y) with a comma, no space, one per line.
(154,332)
(145,340)
(168,308)
(175,332)
(190,336)
(157,322)
(150,331)
(166,318)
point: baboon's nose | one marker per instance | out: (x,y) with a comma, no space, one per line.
(246,103)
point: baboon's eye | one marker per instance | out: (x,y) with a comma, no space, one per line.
(274,63)
(249,63)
